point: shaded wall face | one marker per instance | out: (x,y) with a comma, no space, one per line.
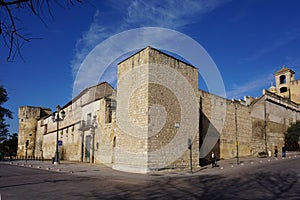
(223,125)
(279,118)
(242,130)
(270,120)
(204,124)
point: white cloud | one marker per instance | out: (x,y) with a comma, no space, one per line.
(283,39)
(173,14)
(88,41)
(97,64)
(244,89)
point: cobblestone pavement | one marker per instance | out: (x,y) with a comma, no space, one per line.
(87,169)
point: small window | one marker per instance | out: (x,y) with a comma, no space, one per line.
(46,128)
(108,113)
(282,79)
(115,142)
(283,89)
(89,119)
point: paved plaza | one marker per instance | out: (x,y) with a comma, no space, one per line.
(87,169)
(253,178)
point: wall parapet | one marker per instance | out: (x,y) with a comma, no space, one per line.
(269,96)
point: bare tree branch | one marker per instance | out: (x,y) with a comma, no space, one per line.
(12,35)
(13,31)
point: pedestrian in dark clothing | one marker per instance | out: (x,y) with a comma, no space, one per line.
(213,160)
(276,151)
(283,151)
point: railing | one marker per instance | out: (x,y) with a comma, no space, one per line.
(11,158)
(86,125)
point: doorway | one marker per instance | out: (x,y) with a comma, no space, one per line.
(87,148)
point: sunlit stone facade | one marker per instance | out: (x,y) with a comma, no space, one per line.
(158,116)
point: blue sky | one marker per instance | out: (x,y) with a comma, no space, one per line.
(248,41)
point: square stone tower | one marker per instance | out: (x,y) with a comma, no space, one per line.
(286,85)
(28,118)
(157,112)
(283,78)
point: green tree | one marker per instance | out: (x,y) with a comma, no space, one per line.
(292,136)
(4,113)
(10,145)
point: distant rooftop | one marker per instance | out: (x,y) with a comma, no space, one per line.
(284,69)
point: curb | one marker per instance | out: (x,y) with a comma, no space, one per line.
(226,165)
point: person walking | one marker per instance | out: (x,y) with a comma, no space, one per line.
(276,151)
(283,151)
(213,160)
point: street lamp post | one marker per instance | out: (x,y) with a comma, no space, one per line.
(60,115)
(190,143)
(236,136)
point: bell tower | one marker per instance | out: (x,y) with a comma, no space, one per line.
(283,78)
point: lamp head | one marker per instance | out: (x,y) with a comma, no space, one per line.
(63,114)
(57,108)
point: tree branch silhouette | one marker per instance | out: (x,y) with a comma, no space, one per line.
(13,36)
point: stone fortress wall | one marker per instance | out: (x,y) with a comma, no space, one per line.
(158,109)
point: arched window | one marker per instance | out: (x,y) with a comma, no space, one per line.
(283,89)
(282,79)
